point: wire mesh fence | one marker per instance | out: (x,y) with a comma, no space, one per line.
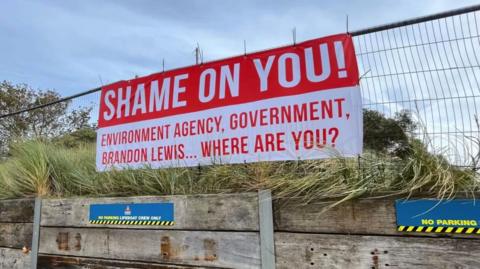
(428,66)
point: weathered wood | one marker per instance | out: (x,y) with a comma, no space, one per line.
(19,210)
(13,259)
(237,212)
(63,262)
(199,248)
(365,216)
(362,216)
(353,251)
(15,235)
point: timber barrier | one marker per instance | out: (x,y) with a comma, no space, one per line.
(228,231)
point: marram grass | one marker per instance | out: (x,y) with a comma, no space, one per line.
(46,169)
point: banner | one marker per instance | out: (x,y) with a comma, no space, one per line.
(290,103)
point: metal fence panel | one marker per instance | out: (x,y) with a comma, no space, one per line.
(430,68)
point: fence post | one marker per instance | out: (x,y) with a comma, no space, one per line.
(36,231)
(267,243)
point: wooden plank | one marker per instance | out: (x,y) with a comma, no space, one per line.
(362,216)
(354,251)
(18,210)
(15,235)
(63,262)
(200,248)
(13,259)
(237,212)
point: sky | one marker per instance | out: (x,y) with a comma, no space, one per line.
(73,46)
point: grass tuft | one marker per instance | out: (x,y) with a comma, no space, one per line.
(47,169)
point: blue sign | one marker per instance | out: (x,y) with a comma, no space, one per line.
(132,214)
(441,216)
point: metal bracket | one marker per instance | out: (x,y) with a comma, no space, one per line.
(36,232)
(267,241)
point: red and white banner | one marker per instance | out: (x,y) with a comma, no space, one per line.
(290,103)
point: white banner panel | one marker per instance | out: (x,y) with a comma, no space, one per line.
(293,103)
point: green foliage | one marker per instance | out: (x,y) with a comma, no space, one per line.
(387,135)
(51,169)
(28,174)
(77,138)
(47,122)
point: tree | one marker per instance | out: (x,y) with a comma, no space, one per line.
(388,135)
(47,122)
(86,135)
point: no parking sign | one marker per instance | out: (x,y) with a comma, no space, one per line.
(438,216)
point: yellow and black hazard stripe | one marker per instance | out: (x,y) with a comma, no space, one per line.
(432,229)
(133,222)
